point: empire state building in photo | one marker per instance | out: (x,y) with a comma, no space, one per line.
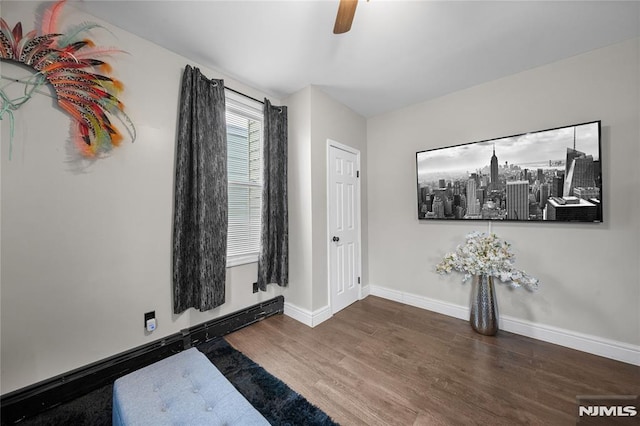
(494,169)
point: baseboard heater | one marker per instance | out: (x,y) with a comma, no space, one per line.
(34,399)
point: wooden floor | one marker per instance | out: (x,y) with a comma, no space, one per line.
(379,362)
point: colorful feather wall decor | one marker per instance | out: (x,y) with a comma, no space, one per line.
(82,83)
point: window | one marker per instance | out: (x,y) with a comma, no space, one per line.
(244,170)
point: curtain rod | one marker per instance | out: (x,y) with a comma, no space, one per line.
(242,94)
(215,83)
(248,97)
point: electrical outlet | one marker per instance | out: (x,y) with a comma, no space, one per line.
(255,287)
(150,321)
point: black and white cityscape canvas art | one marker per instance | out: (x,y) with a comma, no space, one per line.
(551,175)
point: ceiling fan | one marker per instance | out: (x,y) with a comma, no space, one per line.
(344,19)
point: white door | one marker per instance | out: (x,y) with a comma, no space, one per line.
(344,225)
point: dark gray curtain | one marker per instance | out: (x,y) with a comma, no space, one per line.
(200,212)
(273,263)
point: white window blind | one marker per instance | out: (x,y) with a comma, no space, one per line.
(244,170)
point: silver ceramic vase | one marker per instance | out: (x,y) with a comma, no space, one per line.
(484,308)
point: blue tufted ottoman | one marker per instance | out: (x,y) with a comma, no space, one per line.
(183,389)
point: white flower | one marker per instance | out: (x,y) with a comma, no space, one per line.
(484,254)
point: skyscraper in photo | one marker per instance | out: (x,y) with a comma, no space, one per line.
(440,193)
(581,211)
(571,154)
(544,194)
(579,171)
(557,186)
(518,200)
(481,195)
(438,208)
(583,172)
(448,207)
(471,197)
(494,169)
(587,193)
(424,193)
(456,188)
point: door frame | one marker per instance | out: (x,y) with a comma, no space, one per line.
(335,144)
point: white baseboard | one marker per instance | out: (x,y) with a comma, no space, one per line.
(307,317)
(318,316)
(433,305)
(365,290)
(600,346)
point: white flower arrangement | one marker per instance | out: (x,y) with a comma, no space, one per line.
(484,254)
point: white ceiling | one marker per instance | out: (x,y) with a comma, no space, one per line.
(397,53)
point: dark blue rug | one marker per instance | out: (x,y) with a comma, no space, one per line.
(278,403)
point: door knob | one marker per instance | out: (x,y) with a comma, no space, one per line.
(336,239)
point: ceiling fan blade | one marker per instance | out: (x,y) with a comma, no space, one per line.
(346,12)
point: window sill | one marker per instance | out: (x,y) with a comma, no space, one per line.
(241,260)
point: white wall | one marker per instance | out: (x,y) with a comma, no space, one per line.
(86,247)
(324,118)
(298,292)
(331,120)
(590,281)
